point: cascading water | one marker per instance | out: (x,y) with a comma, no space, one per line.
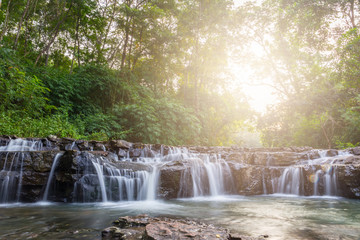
(119,180)
(290,181)
(210,176)
(22,145)
(11,174)
(53,167)
(321,172)
(137,178)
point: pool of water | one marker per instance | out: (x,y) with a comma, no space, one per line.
(279,216)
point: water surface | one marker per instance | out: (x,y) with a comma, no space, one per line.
(279,216)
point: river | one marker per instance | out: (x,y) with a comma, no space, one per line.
(278,216)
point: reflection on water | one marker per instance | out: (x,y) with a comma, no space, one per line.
(280,217)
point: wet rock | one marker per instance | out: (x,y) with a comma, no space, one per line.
(128,222)
(144,227)
(120,144)
(170,176)
(98,146)
(4,140)
(331,153)
(112,233)
(349,180)
(175,229)
(122,153)
(356,151)
(134,153)
(83,145)
(42,161)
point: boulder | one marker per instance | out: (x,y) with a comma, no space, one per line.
(117,144)
(356,150)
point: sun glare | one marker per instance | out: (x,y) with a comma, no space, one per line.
(259,93)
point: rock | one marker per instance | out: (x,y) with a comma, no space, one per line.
(120,144)
(112,233)
(356,151)
(83,145)
(52,137)
(145,227)
(331,153)
(137,221)
(135,153)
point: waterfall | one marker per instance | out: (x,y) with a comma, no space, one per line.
(100,175)
(22,145)
(53,167)
(137,178)
(321,176)
(11,174)
(315,181)
(208,175)
(263,182)
(104,181)
(291,181)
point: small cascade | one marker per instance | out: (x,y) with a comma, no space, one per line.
(315,181)
(22,145)
(317,175)
(53,167)
(11,173)
(137,178)
(100,175)
(210,176)
(264,182)
(291,181)
(11,177)
(103,180)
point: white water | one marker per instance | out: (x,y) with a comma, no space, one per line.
(11,173)
(99,171)
(208,176)
(207,173)
(293,178)
(53,167)
(21,145)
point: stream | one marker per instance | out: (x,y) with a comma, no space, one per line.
(278,216)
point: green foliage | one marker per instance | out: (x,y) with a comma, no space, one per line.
(159,121)
(21,92)
(342,145)
(13,123)
(149,71)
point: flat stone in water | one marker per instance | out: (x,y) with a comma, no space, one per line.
(145,227)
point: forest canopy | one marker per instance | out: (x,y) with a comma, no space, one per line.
(175,71)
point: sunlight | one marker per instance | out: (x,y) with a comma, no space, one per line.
(260,97)
(259,94)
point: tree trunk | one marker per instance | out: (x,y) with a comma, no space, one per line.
(136,56)
(20,24)
(6,20)
(77,40)
(352,14)
(56,32)
(123,57)
(131,44)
